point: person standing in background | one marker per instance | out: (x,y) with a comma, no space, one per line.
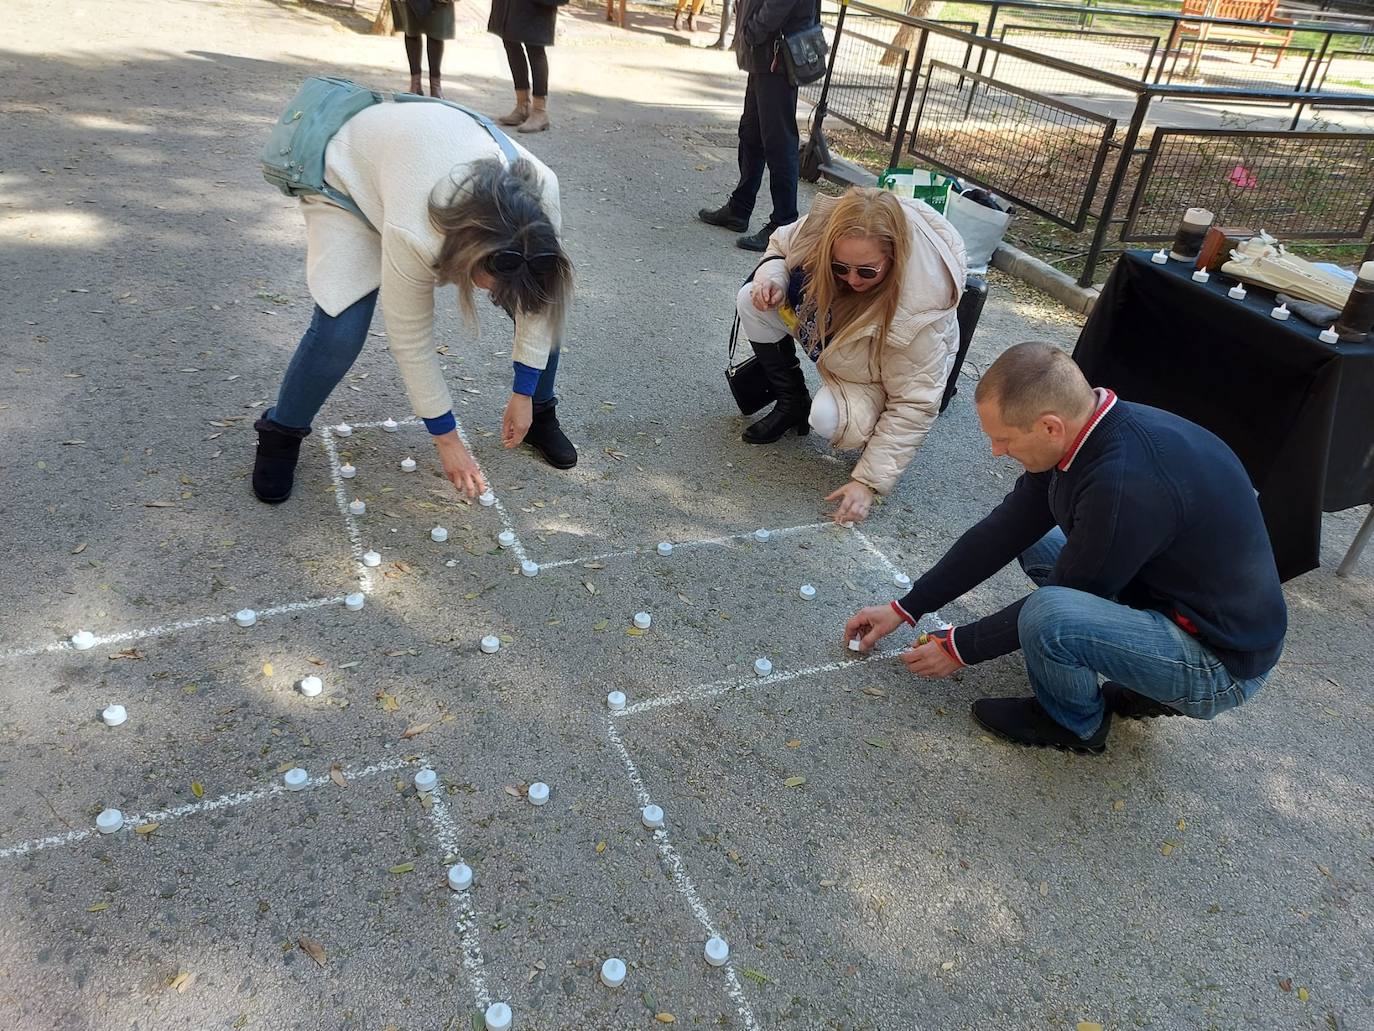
(432,19)
(526,27)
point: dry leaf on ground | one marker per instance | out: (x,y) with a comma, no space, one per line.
(313,949)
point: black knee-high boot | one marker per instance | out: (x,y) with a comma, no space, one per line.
(779,360)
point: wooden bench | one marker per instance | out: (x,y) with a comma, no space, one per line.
(1258,11)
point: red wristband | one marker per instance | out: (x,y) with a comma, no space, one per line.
(902,612)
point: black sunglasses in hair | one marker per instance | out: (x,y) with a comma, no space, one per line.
(507,263)
(840,270)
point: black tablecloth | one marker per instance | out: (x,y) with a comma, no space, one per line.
(1298,413)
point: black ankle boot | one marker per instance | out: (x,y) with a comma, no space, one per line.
(548,438)
(274,469)
(793,408)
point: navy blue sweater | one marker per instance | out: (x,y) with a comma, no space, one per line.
(1159,514)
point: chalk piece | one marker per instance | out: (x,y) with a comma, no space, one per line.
(438,535)
(311,686)
(426,780)
(652,817)
(84,639)
(486,499)
(491,644)
(1201,276)
(460,877)
(808,592)
(389,425)
(856,645)
(665,548)
(347,471)
(761,535)
(615,701)
(529,567)
(613,973)
(498,1017)
(538,793)
(354,602)
(357,506)
(114,715)
(1237,292)
(371,559)
(1160,257)
(762,666)
(295,779)
(109,821)
(1328,335)
(245,617)
(643,620)
(506,538)
(343,430)
(717,951)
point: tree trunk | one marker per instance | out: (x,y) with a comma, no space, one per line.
(905,33)
(381,25)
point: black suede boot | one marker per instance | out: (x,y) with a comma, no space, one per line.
(274,468)
(548,438)
(793,407)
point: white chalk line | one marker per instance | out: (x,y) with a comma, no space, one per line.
(125,636)
(704,542)
(677,870)
(355,539)
(230,801)
(465,915)
(506,523)
(875,550)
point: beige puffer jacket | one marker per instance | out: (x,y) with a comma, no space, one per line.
(888,401)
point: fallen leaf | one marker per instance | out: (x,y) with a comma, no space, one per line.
(99,907)
(1286,983)
(403,868)
(1044,888)
(794,782)
(146,828)
(1119,805)
(179,982)
(1302,995)
(197,789)
(875,692)
(72,443)
(947,965)
(591,587)
(634,631)
(313,949)
(1182,824)
(600,847)
(159,504)
(267,670)
(1324,872)
(1167,849)
(314,661)
(127,653)
(593,565)
(684,599)
(755,975)
(665,1018)
(794,743)
(336,774)
(79,548)
(415,730)
(875,742)
(601,624)
(1087,1025)
(387,702)
(512,790)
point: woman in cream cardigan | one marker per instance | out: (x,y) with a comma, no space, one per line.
(883,275)
(444,208)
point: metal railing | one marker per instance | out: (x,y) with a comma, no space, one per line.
(1078,144)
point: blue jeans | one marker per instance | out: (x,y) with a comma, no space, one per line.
(328,350)
(1071,638)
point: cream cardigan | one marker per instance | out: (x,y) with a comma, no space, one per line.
(389,159)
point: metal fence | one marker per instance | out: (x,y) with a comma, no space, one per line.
(1089,148)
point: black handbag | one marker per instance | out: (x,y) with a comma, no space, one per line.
(748,380)
(804,53)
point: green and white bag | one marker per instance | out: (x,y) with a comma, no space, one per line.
(931,187)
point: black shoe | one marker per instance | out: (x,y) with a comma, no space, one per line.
(757,241)
(1024,721)
(1125,702)
(548,438)
(779,361)
(274,468)
(726,217)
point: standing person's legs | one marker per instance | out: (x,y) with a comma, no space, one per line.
(781,142)
(520,76)
(750,152)
(413,57)
(435,48)
(538,119)
(323,357)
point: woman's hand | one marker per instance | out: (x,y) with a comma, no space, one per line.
(458,465)
(872,625)
(766,296)
(516,422)
(855,498)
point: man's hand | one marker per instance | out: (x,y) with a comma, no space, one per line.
(872,624)
(856,500)
(516,422)
(931,657)
(458,465)
(766,296)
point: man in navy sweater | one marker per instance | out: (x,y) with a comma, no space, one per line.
(1144,537)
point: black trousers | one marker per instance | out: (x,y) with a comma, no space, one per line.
(768,138)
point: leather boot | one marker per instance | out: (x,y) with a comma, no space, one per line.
(415,85)
(520,112)
(793,407)
(274,468)
(436,86)
(538,120)
(548,438)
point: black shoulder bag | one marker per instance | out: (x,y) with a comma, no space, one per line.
(804,53)
(747,379)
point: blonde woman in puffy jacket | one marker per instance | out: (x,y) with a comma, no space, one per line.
(883,276)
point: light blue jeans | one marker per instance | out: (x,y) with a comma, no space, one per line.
(1071,638)
(328,350)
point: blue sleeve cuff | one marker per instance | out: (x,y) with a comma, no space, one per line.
(445,423)
(526,379)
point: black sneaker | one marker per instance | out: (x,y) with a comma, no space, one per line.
(725,217)
(757,241)
(1125,702)
(548,438)
(1024,721)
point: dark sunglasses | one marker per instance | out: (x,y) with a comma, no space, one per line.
(507,263)
(840,270)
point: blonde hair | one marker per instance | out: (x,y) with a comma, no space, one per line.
(860,212)
(495,208)
(1034,379)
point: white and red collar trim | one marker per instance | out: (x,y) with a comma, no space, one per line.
(1106,400)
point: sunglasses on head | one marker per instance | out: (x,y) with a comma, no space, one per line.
(840,269)
(506,263)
